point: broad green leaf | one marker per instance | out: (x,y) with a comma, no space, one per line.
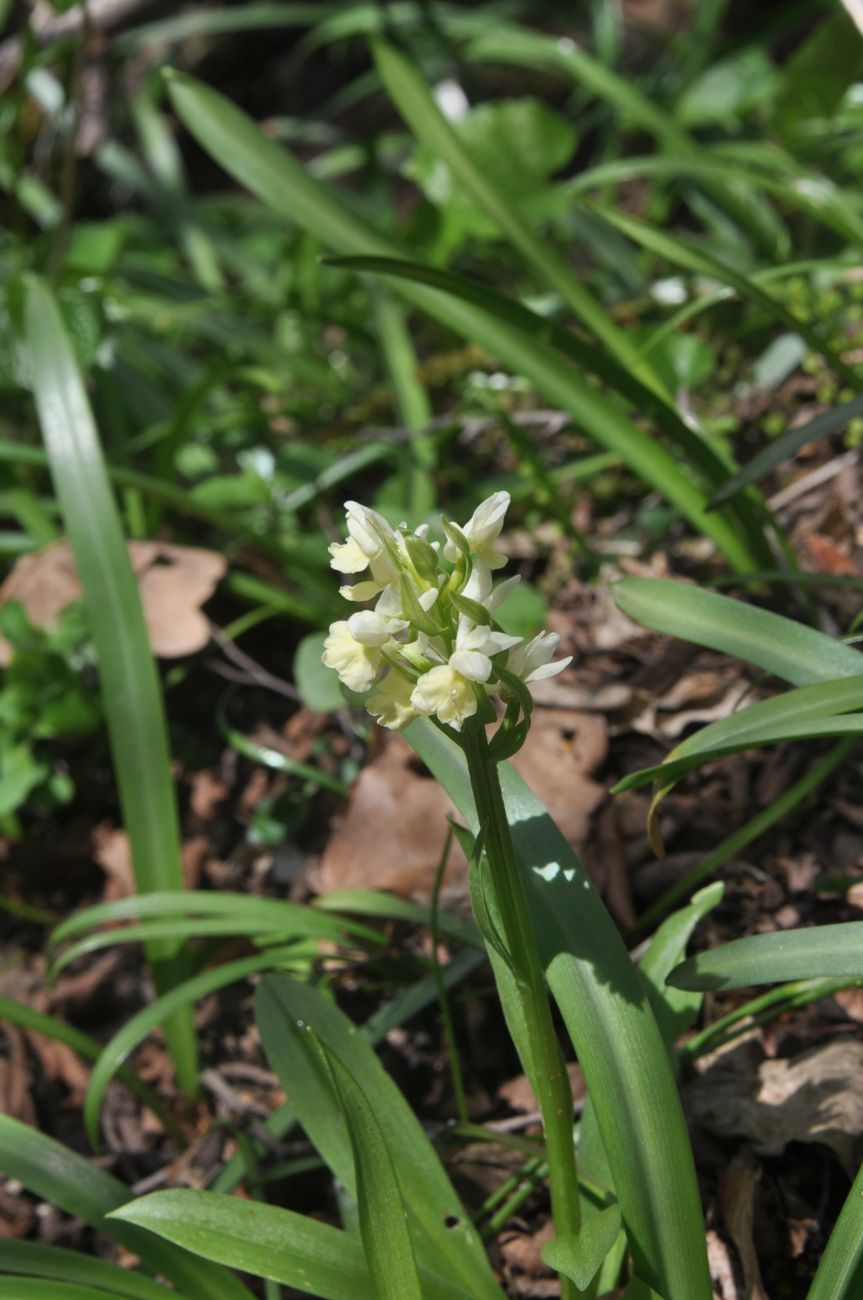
(130,684)
(284,1011)
(699,262)
(818,72)
(784,447)
(276,178)
(612,1027)
(779,645)
(416,104)
(155,1013)
(675,1010)
(840,1272)
(380,1207)
(294,1249)
(728,89)
(269,1242)
(29,1258)
(81,1189)
(822,951)
(580,1258)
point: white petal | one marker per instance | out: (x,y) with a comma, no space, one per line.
(473,665)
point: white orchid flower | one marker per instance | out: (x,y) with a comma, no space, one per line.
(531,662)
(365,544)
(482,531)
(391,702)
(446,689)
(356,662)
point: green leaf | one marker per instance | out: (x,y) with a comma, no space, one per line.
(729,89)
(276,178)
(22,772)
(779,645)
(28,1258)
(81,1189)
(801,714)
(612,1027)
(416,104)
(819,72)
(28,1288)
(784,447)
(698,262)
(130,684)
(373,902)
(675,1010)
(284,1010)
(294,1249)
(824,950)
(580,1258)
(840,1272)
(380,1207)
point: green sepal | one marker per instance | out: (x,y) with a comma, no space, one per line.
(401,666)
(515,687)
(413,610)
(423,557)
(472,608)
(456,536)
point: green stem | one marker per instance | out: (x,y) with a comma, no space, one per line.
(545,1065)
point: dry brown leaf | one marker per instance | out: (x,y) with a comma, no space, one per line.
(519,1095)
(392,833)
(15,1099)
(174,581)
(112,852)
(812,1097)
(737,1197)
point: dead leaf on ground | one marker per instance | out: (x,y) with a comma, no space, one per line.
(112,852)
(519,1095)
(737,1198)
(812,1097)
(174,582)
(526,1274)
(15,1098)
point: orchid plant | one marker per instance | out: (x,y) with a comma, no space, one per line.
(430,647)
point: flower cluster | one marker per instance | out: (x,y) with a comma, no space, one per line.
(430,645)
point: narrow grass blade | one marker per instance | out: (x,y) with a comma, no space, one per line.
(232,138)
(285,1010)
(183,995)
(508,43)
(89,1049)
(382,1212)
(783,447)
(268,1242)
(823,951)
(262,915)
(28,1288)
(695,260)
(779,645)
(130,684)
(609,1019)
(797,714)
(840,1273)
(86,1192)
(373,902)
(416,104)
(29,1259)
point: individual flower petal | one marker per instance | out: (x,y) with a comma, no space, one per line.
(356,664)
(391,702)
(482,530)
(361,591)
(347,557)
(371,629)
(367,528)
(445,693)
(531,663)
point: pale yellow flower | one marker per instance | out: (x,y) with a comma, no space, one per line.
(356,664)
(391,702)
(447,694)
